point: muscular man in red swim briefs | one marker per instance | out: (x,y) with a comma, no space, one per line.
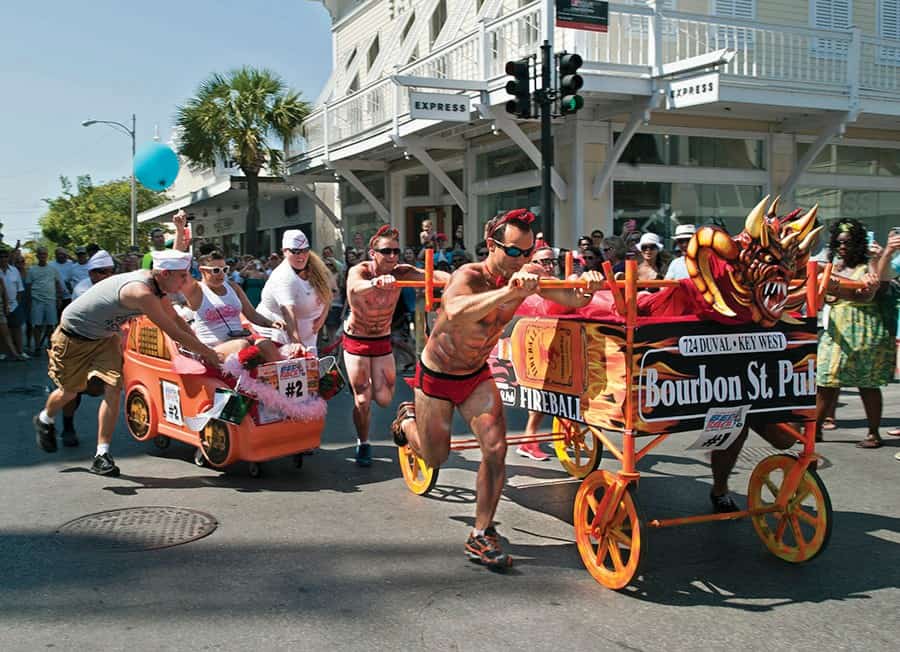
(479,301)
(372,294)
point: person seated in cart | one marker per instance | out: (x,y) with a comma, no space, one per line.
(86,344)
(218,304)
(372,294)
(478,302)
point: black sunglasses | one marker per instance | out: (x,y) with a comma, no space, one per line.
(389,251)
(297,252)
(513,251)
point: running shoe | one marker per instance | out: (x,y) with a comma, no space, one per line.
(723,504)
(486,551)
(364,455)
(532,451)
(45,435)
(105,465)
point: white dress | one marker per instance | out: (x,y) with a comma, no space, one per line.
(285,288)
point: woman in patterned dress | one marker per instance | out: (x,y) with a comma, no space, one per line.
(856,349)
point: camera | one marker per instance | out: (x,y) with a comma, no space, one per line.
(241,333)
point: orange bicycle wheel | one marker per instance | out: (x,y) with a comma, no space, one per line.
(419,477)
(802,530)
(580,452)
(610,551)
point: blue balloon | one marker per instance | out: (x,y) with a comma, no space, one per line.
(156,166)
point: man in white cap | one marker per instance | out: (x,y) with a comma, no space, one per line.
(86,344)
(99,267)
(683,235)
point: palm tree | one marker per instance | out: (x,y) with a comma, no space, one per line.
(235,116)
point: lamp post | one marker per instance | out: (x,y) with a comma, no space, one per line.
(131,133)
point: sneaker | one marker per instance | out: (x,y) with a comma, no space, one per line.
(105,465)
(486,550)
(2,357)
(24,356)
(69,438)
(45,435)
(491,534)
(723,504)
(364,455)
(406,410)
(532,451)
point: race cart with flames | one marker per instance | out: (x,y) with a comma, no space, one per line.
(171,395)
(709,353)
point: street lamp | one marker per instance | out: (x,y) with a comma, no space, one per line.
(128,132)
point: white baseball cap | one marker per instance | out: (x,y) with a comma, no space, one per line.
(100,260)
(294,239)
(684,232)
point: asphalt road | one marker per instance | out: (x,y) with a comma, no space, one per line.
(335,556)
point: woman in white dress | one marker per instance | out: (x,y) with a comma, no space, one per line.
(218,303)
(298,292)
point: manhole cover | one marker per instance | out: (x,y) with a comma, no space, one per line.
(139,528)
(748,458)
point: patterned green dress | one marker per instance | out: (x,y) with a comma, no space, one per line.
(856,350)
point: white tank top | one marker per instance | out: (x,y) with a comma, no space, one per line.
(217,315)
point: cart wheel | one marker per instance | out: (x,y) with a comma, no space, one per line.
(580,451)
(215,442)
(199,460)
(419,477)
(298,461)
(138,415)
(161,442)
(802,530)
(610,551)
(254,469)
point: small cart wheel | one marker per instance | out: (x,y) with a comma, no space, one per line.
(611,551)
(139,415)
(298,461)
(580,451)
(199,460)
(802,530)
(254,469)
(419,477)
(161,442)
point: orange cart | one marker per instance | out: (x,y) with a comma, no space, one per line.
(164,388)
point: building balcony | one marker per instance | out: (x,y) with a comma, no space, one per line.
(821,69)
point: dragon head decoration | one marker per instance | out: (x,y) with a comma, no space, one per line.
(762,260)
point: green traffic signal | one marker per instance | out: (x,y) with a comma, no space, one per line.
(571,103)
(570,82)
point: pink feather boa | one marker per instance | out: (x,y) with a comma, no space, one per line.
(312,408)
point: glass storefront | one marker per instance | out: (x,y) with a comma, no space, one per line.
(695,151)
(878,210)
(661,207)
(530,198)
(502,162)
(857,161)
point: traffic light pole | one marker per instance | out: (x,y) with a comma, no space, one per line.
(546,107)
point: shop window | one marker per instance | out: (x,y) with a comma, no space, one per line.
(530,198)
(416,185)
(879,210)
(694,151)
(857,161)
(500,162)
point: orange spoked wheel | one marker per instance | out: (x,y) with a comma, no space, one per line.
(610,548)
(419,477)
(580,451)
(801,531)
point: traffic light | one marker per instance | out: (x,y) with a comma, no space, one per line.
(520,86)
(570,82)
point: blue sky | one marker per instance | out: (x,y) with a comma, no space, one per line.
(62,62)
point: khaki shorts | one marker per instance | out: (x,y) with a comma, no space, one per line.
(73,362)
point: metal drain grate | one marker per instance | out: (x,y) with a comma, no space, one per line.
(748,458)
(138,528)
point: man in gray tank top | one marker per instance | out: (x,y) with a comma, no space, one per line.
(86,345)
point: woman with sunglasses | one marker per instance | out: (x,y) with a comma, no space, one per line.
(218,304)
(650,263)
(298,294)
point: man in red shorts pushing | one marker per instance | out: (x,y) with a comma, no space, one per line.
(479,301)
(372,294)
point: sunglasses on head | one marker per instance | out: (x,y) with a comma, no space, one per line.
(215,270)
(297,252)
(513,251)
(389,251)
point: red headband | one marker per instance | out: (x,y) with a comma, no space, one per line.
(384,231)
(515,215)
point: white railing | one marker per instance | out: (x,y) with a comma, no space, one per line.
(839,61)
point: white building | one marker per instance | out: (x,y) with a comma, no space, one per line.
(809,107)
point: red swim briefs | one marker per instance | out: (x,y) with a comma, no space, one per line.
(449,387)
(367,347)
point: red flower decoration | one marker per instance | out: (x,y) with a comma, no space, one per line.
(251,357)
(330,384)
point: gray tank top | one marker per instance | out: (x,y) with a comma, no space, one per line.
(97,313)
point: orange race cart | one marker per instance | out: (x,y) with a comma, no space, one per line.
(648,377)
(165,387)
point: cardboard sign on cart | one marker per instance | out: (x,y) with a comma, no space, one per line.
(297,379)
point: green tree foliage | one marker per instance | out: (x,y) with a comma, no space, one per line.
(87,213)
(237,116)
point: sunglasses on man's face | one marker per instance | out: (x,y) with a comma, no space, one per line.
(215,270)
(513,251)
(389,251)
(297,252)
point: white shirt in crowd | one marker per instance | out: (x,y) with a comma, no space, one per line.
(65,276)
(14,285)
(677,270)
(285,288)
(81,287)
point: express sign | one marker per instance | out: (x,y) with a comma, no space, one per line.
(439,106)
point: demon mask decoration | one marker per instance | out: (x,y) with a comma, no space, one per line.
(762,261)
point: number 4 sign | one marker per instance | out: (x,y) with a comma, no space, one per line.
(721,428)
